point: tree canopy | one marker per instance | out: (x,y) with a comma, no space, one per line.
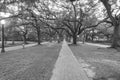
(71,17)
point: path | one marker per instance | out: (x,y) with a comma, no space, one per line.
(67,67)
(95,44)
(18,47)
(25,46)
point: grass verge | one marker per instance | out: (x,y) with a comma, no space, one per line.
(34,63)
(106,62)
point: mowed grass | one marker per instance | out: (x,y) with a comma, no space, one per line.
(34,63)
(105,62)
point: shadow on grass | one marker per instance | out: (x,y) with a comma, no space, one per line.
(112,77)
(105,72)
(74,45)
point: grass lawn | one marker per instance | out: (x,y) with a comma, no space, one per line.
(104,62)
(34,63)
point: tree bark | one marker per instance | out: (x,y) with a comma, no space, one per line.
(116,24)
(38,35)
(116,37)
(24,39)
(74,39)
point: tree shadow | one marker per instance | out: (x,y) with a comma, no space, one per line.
(74,45)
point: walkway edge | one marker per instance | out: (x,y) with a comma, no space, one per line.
(67,66)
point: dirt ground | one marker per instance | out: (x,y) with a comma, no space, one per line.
(103,62)
(34,63)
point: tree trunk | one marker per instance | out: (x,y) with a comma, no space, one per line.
(92,37)
(116,37)
(74,39)
(84,38)
(38,35)
(60,38)
(87,37)
(24,39)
